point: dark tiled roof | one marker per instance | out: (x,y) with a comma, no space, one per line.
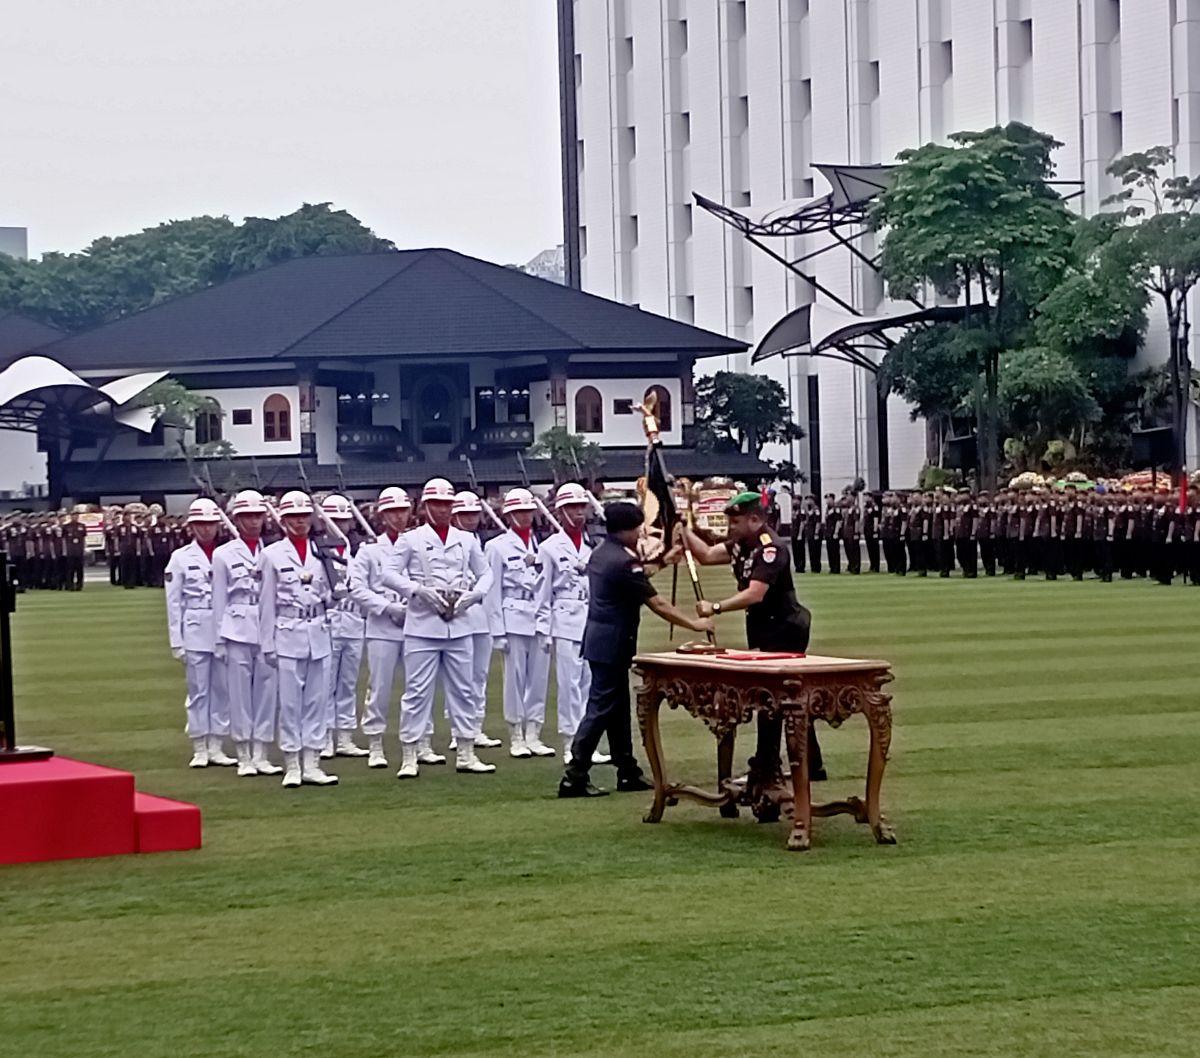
(138,476)
(423,303)
(19,334)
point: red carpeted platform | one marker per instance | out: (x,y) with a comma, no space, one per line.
(63,809)
(164,825)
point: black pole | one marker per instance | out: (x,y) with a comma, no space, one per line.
(569,135)
(9,750)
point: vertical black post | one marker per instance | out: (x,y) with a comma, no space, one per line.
(881,434)
(814,435)
(9,750)
(569,132)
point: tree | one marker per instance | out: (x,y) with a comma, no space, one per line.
(572,456)
(114,277)
(978,219)
(1043,398)
(177,408)
(742,413)
(1158,229)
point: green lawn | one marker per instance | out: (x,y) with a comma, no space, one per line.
(1043,898)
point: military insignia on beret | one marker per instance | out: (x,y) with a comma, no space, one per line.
(769,554)
(764,538)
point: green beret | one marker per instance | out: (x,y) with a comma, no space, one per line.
(742,501)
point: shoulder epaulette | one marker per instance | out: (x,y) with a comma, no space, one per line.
(764,538)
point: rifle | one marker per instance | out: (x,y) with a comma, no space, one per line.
(483,503)
(363,524)
(327,523)
(324,553)
(597,508)
(536,498)
(211,492)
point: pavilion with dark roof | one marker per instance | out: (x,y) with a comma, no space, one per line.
(391,368)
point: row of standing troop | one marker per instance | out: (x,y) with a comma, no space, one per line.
(1142,533)
(273,634)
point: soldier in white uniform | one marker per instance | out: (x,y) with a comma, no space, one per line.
(294,627)
(519,618)
(466,515)
(347,628)
(442,572)
(565,591)
(250,682)
(192,635)
(385,612)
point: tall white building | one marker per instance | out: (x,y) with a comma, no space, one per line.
(737,99)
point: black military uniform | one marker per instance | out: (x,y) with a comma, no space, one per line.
(871,531)
(985,530)
(74,537)
(779,623)
(831,531)
(618,588)
(811,533)
(966,540)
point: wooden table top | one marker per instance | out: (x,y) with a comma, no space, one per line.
(714,663)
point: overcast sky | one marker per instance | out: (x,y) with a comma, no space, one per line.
(433,121)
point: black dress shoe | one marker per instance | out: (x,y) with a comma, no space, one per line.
(635,784)
(817,775)
(577,789)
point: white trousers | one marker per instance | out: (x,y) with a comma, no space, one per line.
(383,658)
(344,663)
(481,644)
(574,676)
(303,687)
(207,705)
(253,693)
(526,671)
(424,661)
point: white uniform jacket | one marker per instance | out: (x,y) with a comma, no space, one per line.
(188,581)
(453,568)
(291,609)
(235,587)
(370,593)
(517,604)
(346,620)
(565,586)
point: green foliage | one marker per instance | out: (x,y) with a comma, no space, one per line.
(572,456)
(116,276)
(934,369)
(1043,396)
(742,413)
(933,477)
(174,404)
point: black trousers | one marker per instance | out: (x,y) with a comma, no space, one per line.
(916,557)
(895,556)
(833,552)
(607,711)
(1052,557)
(74,572)
(968,556)
(814,555)
(1018,559)
(114,569)
(129,571)
(798,554)
(1102,556)
(853,556)
(945,557)
(987,556)
(1075,556)
(872,553)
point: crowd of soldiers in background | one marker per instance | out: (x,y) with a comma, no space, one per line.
(1070,533)
(47,550)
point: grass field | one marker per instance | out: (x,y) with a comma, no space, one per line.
(1043,900)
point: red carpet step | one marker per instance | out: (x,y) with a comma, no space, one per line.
(63,809)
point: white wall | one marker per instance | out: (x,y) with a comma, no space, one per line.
(22,466)
(839,81)
(626,430)
(325,424)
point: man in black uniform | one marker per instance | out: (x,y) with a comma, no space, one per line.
(775,619)
(74,535)
(618,586)
(832,533)
(870,529)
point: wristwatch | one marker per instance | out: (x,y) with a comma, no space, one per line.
(716,607)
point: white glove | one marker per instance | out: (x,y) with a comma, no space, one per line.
(432,599)
(396,612)
(500,643)
(219,650)
(466,601)
(271,658)
(544,643)
(179,654)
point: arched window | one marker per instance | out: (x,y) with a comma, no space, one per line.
(589,410)
(664,406)
(277,418)
(208,427)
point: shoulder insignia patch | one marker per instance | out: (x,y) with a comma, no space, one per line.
(636,569)
(168,575)
(764,538)
(769,554)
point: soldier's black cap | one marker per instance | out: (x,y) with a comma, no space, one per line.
(621,516)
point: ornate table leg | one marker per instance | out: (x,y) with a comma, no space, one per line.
(725,747)
(879,716)
(795,725)
(649,698)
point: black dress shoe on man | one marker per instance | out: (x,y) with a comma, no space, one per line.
(580,789)
(634,784)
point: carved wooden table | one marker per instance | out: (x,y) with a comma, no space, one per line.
(725,693)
